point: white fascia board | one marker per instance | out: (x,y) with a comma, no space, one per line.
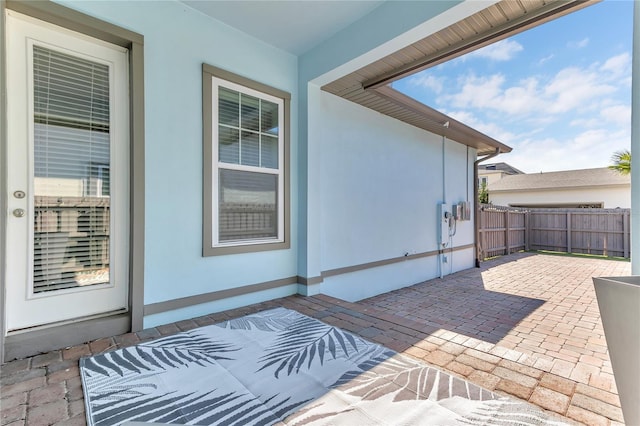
(412,35)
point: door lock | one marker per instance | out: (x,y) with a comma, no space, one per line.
(19,194)
(19,212)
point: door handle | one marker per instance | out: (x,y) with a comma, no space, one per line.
(19,212)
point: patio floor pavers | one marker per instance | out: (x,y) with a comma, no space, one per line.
(537,316)
(525,325)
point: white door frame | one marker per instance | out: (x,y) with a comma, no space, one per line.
(31,343)
(25,308)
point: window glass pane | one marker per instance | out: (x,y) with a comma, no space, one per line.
(71,171)
(269,118)
(250,149)
(228,145)
(228,107)
(269,152)
(250,113)
(248,205)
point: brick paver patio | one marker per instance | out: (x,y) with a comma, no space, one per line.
(525,325)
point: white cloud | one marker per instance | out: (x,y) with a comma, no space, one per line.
(573,88)
(546,59)
(532,152)
(489,128)
(592,138)
(585,122)
(579,44)
(618,114)
(465,117)
(488,92)
(592,148)
(618,67)
(522,99)
(436,84)
(570,118)
(477,92)
(502,50)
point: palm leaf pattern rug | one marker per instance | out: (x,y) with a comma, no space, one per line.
(279,366)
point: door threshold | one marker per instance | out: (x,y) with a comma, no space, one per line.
(65,322)
(37,340)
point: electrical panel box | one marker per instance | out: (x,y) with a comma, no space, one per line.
(456,211)
(461,211)
(467,210)
(464,211)
(444,217)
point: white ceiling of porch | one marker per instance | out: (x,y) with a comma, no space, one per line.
(294,26)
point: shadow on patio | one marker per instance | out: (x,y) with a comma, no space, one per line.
(462,305)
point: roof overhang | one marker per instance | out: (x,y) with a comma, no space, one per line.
(369,85)
(411,111)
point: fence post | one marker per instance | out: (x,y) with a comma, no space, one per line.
(506,232)
(569,232)
(480,233)
(527,231)
(625,233)
(483,248)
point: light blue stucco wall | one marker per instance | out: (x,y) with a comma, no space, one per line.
(177,41)
(373,36)
(382,181)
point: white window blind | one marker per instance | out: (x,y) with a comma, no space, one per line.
(249,167)
(71,114)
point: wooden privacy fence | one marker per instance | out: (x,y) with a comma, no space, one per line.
(504,230)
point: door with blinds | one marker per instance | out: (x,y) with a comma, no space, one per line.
(67,176)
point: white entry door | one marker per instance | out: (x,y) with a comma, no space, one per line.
(67,175)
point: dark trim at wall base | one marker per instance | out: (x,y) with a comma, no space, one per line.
(309,281)
(51,338)
(185,302)
(369,265)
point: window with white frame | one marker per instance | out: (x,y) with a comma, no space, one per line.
(247,177)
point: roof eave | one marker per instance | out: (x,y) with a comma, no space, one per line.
(441,124)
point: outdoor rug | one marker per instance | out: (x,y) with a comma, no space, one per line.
(281,366)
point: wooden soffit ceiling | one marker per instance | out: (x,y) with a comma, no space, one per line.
(369,86)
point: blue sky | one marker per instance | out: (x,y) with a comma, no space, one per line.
(558,94)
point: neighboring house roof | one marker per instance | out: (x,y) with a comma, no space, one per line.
(501,167)
(561,180)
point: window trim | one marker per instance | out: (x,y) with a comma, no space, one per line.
(218,166)
(210,179)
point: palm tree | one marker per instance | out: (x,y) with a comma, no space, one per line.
(621,161)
